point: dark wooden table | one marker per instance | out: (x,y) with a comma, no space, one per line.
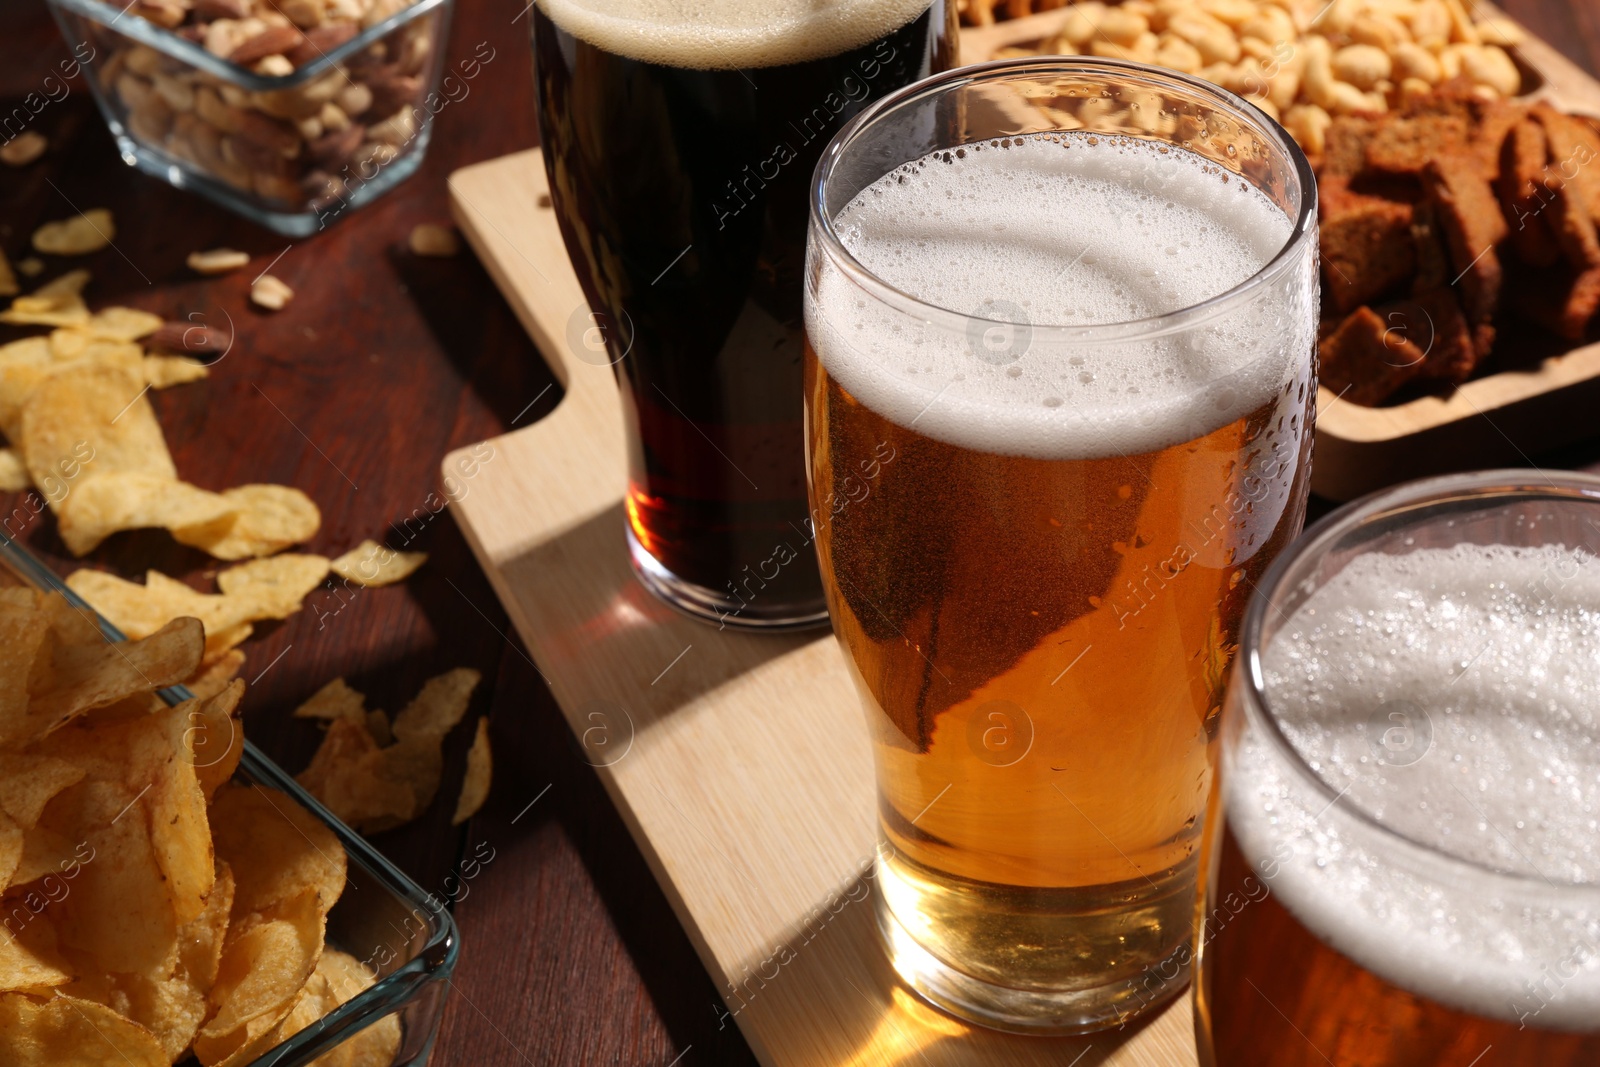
(381,364)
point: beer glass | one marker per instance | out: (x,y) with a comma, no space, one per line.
(679,141)
(1059,383)
(1403,868)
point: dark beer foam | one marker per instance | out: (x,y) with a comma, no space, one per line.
(730,34)
(1452,695)
(1062,230)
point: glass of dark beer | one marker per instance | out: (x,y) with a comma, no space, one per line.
(1403,869)
(679,143)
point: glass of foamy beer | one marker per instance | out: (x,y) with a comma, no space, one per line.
(1059,385)
(1403,855)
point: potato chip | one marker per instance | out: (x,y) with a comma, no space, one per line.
(438,707)
(90,678)
(372,564)
(171,1008)
(346,774)
(45,852)
(200,942)
(13,472)
(138,610)
(29,781)
(76,236)
(475,786)
(56,303)
(104,503)
(347,977)
(159,750)
(306,1008)
(273,588)
(69,342)
(164,371)
(264,966)
(269,518)
(22,633)
(217,737)
(69,1032)
(223,641)
(10,849)
(123,324)
(275,847)
(92,414)
(214,678)
(118,913)
(336,700)
(378,727)
(21,377)
(29,958)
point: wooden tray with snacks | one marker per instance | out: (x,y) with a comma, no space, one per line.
(1531,388)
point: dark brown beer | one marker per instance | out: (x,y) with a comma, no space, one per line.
(679,163)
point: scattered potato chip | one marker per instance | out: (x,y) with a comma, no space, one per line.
(275,848)
(217,260)
(13,474)
(214,678)
(76,236)
(372,564)
(475,786)
(336,700)
(165,371)
(23,149)
(270,292)
(378,727)
(8,277)
(267,519)
(92,413)
(67,1032)
(438,707)
(108,502)
(273,588)
(56,303)
(123,323)
(31,267)
(375,786)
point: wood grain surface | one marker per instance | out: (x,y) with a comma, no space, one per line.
(381,365)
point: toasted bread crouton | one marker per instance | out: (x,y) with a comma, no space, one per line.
(1367,251)
(1574,152)
(1404,145)
(1470,218)
(1432,321)
(1524,194)
(1433,259)
(1561,302)
(1492,120)
(1364,361)
(1572,223)
(1344,152)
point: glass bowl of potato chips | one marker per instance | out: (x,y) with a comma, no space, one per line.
(170,895)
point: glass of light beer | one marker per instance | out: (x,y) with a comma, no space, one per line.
(1059,384)
(1403,864)
(679,139)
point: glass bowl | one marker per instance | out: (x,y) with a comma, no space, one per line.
(384,918)
(339,115)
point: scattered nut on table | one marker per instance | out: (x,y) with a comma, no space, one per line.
(23,149)
(217,260)
(271,293)
(76,236)
(431,239)
(31,267)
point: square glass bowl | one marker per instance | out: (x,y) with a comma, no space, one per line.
(383,917)
(338,115)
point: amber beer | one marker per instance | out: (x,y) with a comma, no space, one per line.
(1410,880)
(679,140)
(1040,577)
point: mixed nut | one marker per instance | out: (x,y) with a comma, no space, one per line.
(302,147)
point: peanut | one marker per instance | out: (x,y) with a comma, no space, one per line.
(1177,54)
(1212,38)
(1308,124)
(271,293)
(1123,27)
(217,261)
(1362,65)
(1412,61)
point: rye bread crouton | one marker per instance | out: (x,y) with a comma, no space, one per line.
(1562,303)
(1367,251)
(1364,361)
(1572,223)
(1470,218)
(1432,321)
(1524,194)
(1574,152)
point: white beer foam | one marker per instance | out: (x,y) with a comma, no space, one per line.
(1453,694)
(1063,230)
(730,34)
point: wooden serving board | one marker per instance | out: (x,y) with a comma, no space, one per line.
(741,763)
(1493,421)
